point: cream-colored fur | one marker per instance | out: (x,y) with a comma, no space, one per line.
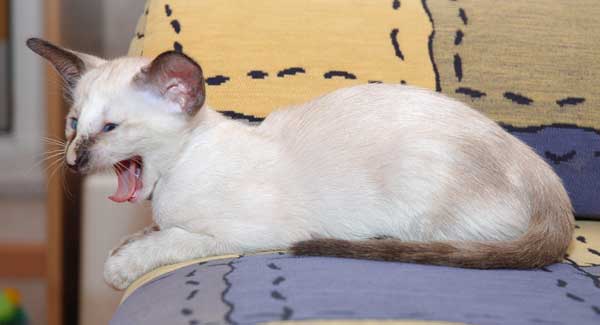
(361,162)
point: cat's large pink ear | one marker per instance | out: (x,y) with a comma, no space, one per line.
(70,64)
(175,77)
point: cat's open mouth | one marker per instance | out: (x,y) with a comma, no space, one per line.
(129,178)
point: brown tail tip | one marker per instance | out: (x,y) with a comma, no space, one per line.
(320,247)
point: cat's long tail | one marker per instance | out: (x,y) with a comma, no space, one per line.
(544,242)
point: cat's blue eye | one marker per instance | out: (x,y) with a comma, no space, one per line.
(109,127)
(73,123)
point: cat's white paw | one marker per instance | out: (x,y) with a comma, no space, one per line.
(121,269)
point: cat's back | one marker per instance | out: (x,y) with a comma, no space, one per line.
(372,112)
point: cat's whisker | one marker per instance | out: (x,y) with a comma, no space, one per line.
(55,167)
(57,147)
(50,152)
(47,157)
(65,184)
(53,144)
(50,173)
(53,152)
(50,164)
(119,165)
(53,140)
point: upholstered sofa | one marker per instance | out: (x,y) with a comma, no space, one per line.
(532,66)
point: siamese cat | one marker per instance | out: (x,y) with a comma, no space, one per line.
(377,171)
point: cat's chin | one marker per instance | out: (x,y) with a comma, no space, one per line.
(129,180)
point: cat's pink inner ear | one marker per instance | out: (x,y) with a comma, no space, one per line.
(177,78)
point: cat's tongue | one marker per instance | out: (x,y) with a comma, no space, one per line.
(129,182)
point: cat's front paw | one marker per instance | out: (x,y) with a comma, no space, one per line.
(121,269)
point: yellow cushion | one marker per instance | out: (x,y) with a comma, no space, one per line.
(307,48)
(500,52)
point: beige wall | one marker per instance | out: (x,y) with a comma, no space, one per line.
(101,27)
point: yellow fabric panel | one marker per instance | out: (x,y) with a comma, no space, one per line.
(585,247)
(546,55)
(232,38)
(545,50)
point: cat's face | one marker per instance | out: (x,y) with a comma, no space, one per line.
(123,108)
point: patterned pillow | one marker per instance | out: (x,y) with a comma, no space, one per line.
(531,65)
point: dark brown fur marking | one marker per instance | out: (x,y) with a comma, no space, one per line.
(69,65)
(134,237)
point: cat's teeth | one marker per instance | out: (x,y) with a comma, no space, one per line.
(138,171)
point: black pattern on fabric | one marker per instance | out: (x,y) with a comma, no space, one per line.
(458,67)
(473,93)
(257,74)
(290,72)
(336,73)
(536,129)
(227,302)
(216,80)
(273,266)
(557,159)
(192,294)
(240,116)
(438,84)
(176,26)
(595,278)
(570,101)
(286,311)
(458,37)
(574,297)
(395,44)
(277,295)
(177,47)
(463,16)
(278,280)
(518,98)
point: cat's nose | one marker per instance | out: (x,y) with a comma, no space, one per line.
(81,161)
(72,167)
